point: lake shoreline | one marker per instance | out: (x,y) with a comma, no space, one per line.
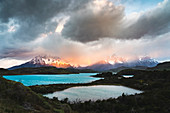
(42,74)
(31,80)
(44,70)
(101,92)
(45,89)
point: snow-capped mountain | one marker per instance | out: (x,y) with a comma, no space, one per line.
(111,63)
(143,61)
(116,62)
(41,61)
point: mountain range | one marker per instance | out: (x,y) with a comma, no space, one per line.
(142,62)
(44,61)
(115,62)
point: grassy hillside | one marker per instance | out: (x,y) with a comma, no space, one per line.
(16,98)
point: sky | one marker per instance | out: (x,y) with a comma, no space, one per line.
(83,32)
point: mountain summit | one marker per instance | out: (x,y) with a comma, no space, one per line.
(117,62)
(111,63)
(42,61)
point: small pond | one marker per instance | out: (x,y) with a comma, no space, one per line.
(93,93)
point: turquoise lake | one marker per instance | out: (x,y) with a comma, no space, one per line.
(29,80)
(84,93)
(98,92)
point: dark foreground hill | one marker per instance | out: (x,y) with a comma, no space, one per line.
(16,98)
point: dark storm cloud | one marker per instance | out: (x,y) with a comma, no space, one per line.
(12,52)
(154,22)
(30,19)
(30,15)
(85,25)
(37,10)
(95,20)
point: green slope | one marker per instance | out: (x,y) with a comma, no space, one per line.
(16,98)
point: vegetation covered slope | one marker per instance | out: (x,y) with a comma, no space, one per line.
(155,99)
(16,98)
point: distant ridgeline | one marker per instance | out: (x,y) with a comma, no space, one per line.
(44,70)
(71,70)
(162,66)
